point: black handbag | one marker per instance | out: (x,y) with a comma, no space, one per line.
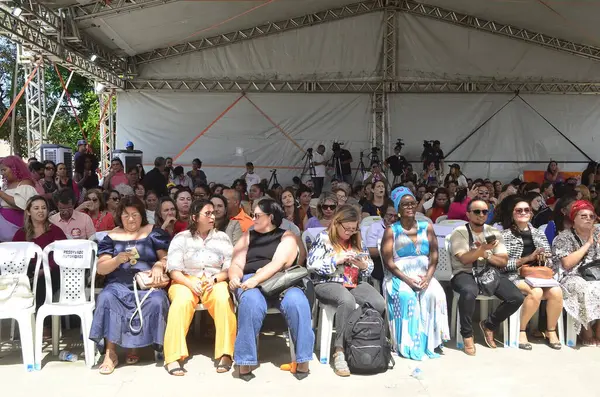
(488,278)
(283,280)
(589,271)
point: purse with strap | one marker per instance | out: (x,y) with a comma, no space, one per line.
(283,280)
(488,278)
(143,280)
(14,286)
(589,271)
(541,271)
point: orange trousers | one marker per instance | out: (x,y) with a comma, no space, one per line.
(183,306)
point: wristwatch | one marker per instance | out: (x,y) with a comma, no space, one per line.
(488,254)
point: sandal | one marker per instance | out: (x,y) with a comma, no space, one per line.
(176,371)
(108,368)
(525,346)
(132,359)
(247,377)
(340,366)
(555,346)
(222,367)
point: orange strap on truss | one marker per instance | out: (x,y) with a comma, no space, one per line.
(276,125)
(208,127)
(12,106)
(62,82)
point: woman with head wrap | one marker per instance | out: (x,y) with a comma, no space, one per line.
(572,249)
(416,302)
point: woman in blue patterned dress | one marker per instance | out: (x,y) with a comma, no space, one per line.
(416,302)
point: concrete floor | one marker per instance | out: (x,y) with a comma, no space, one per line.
(500,372)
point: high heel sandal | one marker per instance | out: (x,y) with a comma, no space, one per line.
(525,346)
(555,346)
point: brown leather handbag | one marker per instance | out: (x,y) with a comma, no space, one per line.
(542,272)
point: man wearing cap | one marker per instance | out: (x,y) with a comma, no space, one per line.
(81,144)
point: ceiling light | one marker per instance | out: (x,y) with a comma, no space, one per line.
(17,11)
(93,57)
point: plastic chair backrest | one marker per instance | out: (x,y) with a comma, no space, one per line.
(16,256)
(369,220)
(74,258)
(421,217)
(441,219)
(452,222)
(309,236)
(443,271)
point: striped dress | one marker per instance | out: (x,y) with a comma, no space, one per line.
(418,320)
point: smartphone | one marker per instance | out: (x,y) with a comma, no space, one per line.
(490,239)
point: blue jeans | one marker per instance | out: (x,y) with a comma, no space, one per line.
(251,311)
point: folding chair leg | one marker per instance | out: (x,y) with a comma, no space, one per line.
(39,334)
(326,318)
(56,336)
(26,327)
(561,329)
(12,329)
(571,336)
(514,325)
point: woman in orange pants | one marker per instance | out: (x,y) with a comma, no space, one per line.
(197,262)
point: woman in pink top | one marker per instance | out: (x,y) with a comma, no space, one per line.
(116,176)
(458,209)
(38,229)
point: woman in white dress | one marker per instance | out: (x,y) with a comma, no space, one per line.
(18,188)
(416,302)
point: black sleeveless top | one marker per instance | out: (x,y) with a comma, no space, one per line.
(261,249)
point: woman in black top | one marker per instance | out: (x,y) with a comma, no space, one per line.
(258,255)
(528,246)
(378,205)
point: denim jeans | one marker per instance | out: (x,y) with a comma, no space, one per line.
(252,309)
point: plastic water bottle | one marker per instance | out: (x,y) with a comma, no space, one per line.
(417,374)
(67,356)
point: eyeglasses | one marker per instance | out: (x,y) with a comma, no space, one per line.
(116,199)
(480,212)
(523,211)
(201,195)
(49,168)
(349,231)
(587,216)
(208,214)
(330,207)
(134,216)
(257,215)
(411,204)
(93,200)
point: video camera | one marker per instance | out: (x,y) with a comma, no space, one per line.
(399,144)
(337,146)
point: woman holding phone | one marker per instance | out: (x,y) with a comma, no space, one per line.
(417,309)
(528,246)
(341,263)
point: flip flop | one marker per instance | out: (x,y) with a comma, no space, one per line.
(132,359)
(223,368)
(107,369)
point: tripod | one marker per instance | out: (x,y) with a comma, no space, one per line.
(361,168)
(309,166)
(336,164)
(273,178)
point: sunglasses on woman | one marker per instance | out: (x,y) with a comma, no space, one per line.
(330,207)
(523,211)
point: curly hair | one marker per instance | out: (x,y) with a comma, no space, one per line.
(18,168)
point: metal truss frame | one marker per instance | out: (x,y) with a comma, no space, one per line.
(104,8)
(36,34)
(35,102)
(267,29)
(362,87)
(108,114)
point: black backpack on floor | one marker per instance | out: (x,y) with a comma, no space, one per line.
(367,349)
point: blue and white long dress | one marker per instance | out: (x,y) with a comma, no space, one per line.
(418,320)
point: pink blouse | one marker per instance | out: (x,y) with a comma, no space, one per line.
(459,210)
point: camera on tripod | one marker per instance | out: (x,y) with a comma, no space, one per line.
(428,145)
(337,146)
(399,144)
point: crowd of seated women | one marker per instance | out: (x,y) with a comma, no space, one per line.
(218,244)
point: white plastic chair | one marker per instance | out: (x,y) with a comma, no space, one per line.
(452,222)
(441,219)
(74,258)
(515,327)
(15,259)
(369,220)
(421,217)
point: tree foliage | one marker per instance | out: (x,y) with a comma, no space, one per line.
(65,129)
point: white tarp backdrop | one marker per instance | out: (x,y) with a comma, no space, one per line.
(164,123)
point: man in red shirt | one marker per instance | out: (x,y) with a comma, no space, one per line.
(235,211)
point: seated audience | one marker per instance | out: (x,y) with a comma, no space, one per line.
(235,211)
(113,199)
(94,206)
(256,192)
(85,172)
(290,209)
(547,191)
(38,229)
(528,246)
(133,176)
(376,174)
(455,175)
(325,210)
(217,189)
(202,192)
(416,308)
(379,203)
(198,260)
(341,264)
(151,202)
(139,191)
(573,248)
(172,190)
(181,179)
(258,255)
(223,223)
(373,236)
(166,217)
(125,191)
(132,247)
(541,212)
(470,252)
(458,208)
(588,177)
(64,181)
(75,224)
(183,201)
(304,195)
(583,193)
(342,196)
(431,176)
(497,188)
(441,205)
(408,175)
(19,188)
(49,182)
(116,176)
(485,195)
(197,176)
(560,216)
